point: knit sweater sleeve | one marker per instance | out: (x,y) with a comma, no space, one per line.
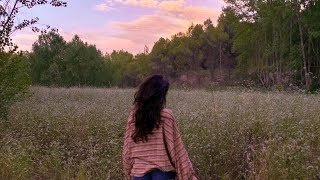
(176,150)
(126,159)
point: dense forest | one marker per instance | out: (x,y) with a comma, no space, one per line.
(267,43)
(264,43)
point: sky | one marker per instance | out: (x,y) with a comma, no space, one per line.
(128,25)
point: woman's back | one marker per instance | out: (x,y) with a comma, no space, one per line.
(164,150)
(152,140)
(153,153)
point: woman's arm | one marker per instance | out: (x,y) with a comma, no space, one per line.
(127,162)
(177,152)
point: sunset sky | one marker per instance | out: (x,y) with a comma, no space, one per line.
(120,24)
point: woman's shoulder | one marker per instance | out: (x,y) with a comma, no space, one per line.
(131,114)
(167,110)
(167,114)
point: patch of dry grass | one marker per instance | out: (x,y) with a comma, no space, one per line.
(78,134)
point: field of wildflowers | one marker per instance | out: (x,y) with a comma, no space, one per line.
(78,133)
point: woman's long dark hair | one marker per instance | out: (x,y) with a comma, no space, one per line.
(149,100)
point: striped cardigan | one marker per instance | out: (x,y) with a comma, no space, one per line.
(164,150)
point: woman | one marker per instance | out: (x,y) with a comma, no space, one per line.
(153,147)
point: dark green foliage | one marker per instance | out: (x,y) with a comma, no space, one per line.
(119,60)
(277,41)
(137,70)
(82,64)
(56,62)
(46,59)
(203,49)
(14,80)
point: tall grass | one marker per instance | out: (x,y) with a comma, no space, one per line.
(78,134)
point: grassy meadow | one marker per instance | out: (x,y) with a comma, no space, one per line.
(77,133)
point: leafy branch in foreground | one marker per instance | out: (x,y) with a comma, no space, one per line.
(8,19)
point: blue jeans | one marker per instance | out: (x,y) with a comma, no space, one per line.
(157,175)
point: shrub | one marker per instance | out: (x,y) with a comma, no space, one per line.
(14,80)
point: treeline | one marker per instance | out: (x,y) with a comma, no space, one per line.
(201,50)
(55,62)
(268,42)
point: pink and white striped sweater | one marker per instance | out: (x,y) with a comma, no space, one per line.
(164,150)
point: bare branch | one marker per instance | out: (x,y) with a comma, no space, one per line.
(13,11)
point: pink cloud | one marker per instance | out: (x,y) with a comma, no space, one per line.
(168,18)
(139,3)
(180,9)
(25,39)
(103,7)
(148,29)
(175,8)
(172,5)
(200,14)
(103,41)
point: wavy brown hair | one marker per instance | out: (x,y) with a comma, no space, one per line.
(149,100)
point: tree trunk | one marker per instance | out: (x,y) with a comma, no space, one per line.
(220,56)
(302,46)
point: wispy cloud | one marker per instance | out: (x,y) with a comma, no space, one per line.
(139,3)
(101,39)
(103,7)
(176,8)
(148,29)
(25,39)
(169,18)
